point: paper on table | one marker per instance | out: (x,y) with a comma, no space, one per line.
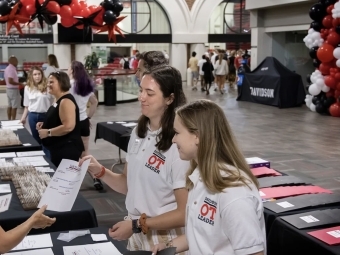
(98,237)
(33,252)
(5,201)
(7,155)
(27,144)
(120,122)
(64,186)
(93,249)
(30,153)
(131,124)
(34,242)
(10,123)
(12,127)
(44,169)
(5,188)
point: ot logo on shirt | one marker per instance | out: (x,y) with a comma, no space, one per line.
(155,161)
(207,211)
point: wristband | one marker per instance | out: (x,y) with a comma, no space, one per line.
(101,174)
(135,228)
(142,223)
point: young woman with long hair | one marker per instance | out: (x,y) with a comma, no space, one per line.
(53,65)
(221,71)
(224,210)
(36,102)
(154,176)
(82,88)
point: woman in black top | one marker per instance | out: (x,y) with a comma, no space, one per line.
(60,132)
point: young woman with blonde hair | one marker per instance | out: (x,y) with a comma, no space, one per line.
(36,101)
(221,71)
(224,209)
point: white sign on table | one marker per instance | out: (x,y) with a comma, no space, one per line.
(5,202)
(33,252)
(93,249)
(30,153)
(5,188)
(63,189)
(34,242)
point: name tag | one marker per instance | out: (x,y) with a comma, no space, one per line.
(136,145)
(55,105)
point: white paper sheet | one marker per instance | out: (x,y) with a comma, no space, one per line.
(93,249)
(13,128)
(33,252)
(27,144)
(10,123)
(44,169)
(5,201)
(7,155)
(34,242)
(5,188)
(30,153)
(64,186)
(98,237)
(33,161)
(131,124)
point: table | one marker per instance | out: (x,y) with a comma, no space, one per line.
(285,239)
(82,214)
(58,245)
(25,137)
(116,134)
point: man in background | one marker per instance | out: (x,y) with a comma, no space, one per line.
(193,65)
(12,88)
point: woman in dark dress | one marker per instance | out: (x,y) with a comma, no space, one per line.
(208,69)
(60,132)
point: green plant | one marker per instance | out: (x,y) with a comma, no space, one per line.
(91,61)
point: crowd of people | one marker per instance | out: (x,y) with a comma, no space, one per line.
(186,182)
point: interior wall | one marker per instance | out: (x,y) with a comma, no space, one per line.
(29,54)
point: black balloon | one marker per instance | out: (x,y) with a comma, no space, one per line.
(118,7)
(50,20)
(312,52)
(63,2)
(328,2)
(317,12)
(109,17)
(329,101)
(316,63)
(4,8)
(108,5)
(319,108)
(308,79)
(316,26)
(315,100)
(117,14)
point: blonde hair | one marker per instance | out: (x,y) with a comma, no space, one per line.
(42,85)
(217,149)
(220,57)
(52,60)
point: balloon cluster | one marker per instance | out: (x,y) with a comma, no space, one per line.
(323,42)
(72,13)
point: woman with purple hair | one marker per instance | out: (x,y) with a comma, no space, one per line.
(82,88)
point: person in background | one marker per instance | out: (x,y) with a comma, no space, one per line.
(208,69)
(124,63)
(148,60)
(36,101)
(53,65)
(221,72)
(12,88)
(193,65)
(13,237)
(155,191)
(224,210)
(82,89)
(23,80)
(60,132)
(135,67)
(232,70)
(201,72)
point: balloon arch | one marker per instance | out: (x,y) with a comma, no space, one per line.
(323,42)
(102,18)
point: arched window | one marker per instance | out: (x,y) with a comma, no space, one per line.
(144,17)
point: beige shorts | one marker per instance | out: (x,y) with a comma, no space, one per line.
(143,242)
(13,98)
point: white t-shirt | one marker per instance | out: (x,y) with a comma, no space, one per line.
(50,69)
(231,222)
(122,61)
(152,176)
(37,101)
(81,101)
(200,65)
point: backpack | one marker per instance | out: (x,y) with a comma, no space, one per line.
(126,64)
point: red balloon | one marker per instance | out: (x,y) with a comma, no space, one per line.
(334,110)
(336,93)
(75,7)
(65,11)
(330,93)
(27,2)
(333,38)
(325,53)
(80,26)
(329,9)
(330,82)
(337,76)
(30,9)
(324,68)
(92,8)
(68,22)
(84,12)
(53,6)
(327,21)
(82,3)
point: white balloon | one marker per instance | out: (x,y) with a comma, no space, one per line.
(314,90)
(336,53)
(325,88)
(320,82)
(338,63)
(312,107)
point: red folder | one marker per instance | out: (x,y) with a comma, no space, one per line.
(288,191)
(330,236)
(264,171)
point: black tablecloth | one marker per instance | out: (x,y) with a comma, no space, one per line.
(82,214)
(58,245)
(114,133)
(286,239)
(24,137)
